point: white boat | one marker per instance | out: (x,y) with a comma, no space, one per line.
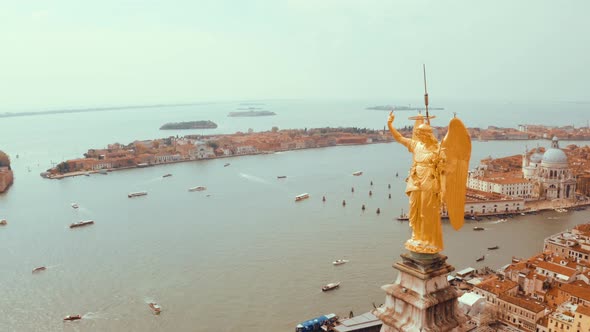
(560,210)
(340,261)
(357,173)
(82,223)
(330,286)
(3,222)
(199,188)
(301,197)
(136,194)
(75,205)
(155,308)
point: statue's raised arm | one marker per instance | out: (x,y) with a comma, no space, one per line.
(396,134)
(456,147)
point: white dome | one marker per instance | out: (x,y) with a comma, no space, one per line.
(554,156)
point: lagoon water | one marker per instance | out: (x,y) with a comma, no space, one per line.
(242,255)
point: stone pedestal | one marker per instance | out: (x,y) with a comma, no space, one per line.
(421,298)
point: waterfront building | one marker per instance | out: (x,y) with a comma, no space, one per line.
(551,173)
(203,150)
(539,175)
(245,149)
(481,203)
(163,157)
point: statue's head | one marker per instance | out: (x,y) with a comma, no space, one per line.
(424,134)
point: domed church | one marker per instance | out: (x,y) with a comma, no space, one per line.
(551,173)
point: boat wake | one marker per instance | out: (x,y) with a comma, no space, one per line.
(94,315)
(254,178)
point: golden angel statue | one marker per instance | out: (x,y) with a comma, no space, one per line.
(438,176)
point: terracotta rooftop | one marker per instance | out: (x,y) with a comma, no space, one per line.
(496,286)
(559,269)
(528,304)
(583,310)
(578,289)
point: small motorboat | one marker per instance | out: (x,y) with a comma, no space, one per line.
(493,248)
(281,177)
(72,317)
(137,194)
(155,308)
(478,228)
(357,173)
(166,175)
(39,269)
(82,223)
(226,164)
(480,259)
(330,286)
(340,261)
(301,197)
(3,222)
(75,205)
(198,188)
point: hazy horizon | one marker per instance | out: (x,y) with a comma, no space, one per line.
(116,53)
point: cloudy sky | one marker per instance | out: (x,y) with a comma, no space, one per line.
(72,53)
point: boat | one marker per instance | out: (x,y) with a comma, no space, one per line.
(39,269)
(82,223)
(198,188)
(87,174)
(340,261)
(315,324)
(403,216)
(330,286)
(166,175)
(560,210)
(103,171)
(281,177)
(493,248)
(480,259)
(137,194)
(478,228)
(140,165)
(75,205)
(357,173)
(301,197)
(3,222)
(72,317)
(226,164)
(155,308)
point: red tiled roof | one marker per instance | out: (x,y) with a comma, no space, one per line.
(522,302)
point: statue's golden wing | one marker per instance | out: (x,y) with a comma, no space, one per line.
(457,149)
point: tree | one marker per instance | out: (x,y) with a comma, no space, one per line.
(4,160)
(213,145)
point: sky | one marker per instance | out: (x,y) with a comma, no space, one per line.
(72,53)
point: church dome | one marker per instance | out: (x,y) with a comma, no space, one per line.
(554,156)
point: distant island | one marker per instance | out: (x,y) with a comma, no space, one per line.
(251,113)
(403,108)
(189,125)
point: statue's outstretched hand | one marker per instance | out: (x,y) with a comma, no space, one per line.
(391,117)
